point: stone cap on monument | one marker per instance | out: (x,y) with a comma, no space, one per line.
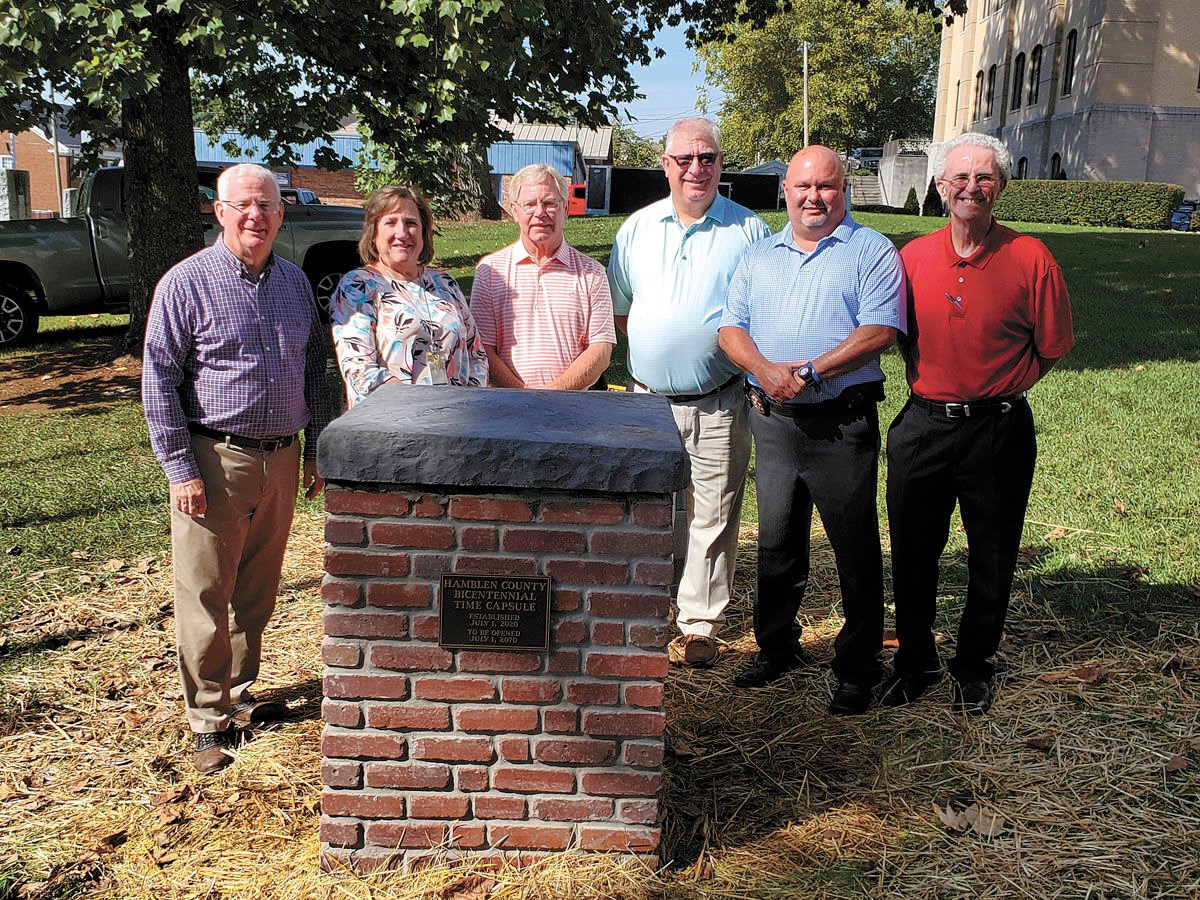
(612,442)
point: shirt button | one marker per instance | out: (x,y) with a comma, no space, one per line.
(960,279)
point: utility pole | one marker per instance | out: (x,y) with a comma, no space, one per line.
(806,93)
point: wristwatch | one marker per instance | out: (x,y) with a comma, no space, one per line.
(809,376)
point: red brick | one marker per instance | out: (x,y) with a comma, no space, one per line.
(341,654)
(457,688)
(498,661)
(513,749)
(337,773)
(410,716)
(409,776)
(608,633)
(654,573)
(406,594)
(493,508)
(363,503)
(533,780)
(541,540)
(498,806)
(565,601)
(340,834)
(530,690)
(362,745)
(631,543)
(574,751)
(429,508)
(629,605)
(495,565)
(430,565)
(345,715)
(563,661)
(496,719)
(361,805)
(417,536)
(359,687)
(611,783)
(642,756)
(618,840)
(638,812)
(345,531)
(623,724)
(661,514)
(362,562)
(530,837)
(572,809)
(577,571)
(425,628)
(365,625)
(584,512)
(477,537)
(648,696)
(472,778)
(593,693)
(339,592)
(560,721)
(651,636)
(423,835)
(568,631)
(627,665)
(439,806)
(453,749)
(411,658)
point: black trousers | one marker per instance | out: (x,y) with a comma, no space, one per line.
(985,464)
(830,461)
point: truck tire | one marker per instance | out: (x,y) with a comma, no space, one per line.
(324,282)
(18,317)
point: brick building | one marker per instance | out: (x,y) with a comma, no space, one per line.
(33,152)
(1089,89)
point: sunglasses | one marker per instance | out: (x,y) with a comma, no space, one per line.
(684,161)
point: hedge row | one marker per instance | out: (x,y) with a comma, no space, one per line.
(1124,204)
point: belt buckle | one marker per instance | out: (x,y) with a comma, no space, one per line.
(957,410)
(1005,406)
(270,445)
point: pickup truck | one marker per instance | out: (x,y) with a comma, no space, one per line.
(80,264)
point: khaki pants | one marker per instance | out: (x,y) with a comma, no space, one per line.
(227,567)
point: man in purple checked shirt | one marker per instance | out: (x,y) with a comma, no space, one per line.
(234,369)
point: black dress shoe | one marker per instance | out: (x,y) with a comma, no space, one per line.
(767,669)
(905,687)
(850,699)
(972,698)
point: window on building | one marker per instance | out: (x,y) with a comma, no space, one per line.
(1056,169)
(991,93)
(1069,62)
(1023,167)
(1035,73)
(1018,81)
(978,94)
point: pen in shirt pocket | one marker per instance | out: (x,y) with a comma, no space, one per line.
(957,301)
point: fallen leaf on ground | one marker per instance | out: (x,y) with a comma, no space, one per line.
(473,887)
(1054,533)
(79,554)
(974,818)
(1177,763)
(173,795)
(1120,507)
(1082,674)
(1045,742)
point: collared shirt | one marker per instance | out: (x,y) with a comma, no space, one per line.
(797,304)
(235,353)
(978,325)
(541,318)
(382,330)
(670,280)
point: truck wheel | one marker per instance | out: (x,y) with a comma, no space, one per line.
(324,283)
(18,317)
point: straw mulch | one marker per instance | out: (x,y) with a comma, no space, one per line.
(1081,782)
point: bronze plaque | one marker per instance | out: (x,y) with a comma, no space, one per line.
(495,612)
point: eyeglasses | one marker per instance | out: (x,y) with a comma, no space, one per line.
(684,160)
(266,207)
(961,181)
(530,207)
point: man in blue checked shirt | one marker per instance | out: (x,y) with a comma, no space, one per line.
(234,369)
(670,266)
(809,311)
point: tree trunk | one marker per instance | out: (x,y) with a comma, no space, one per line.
(161,188)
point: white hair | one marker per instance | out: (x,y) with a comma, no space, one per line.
(695,125)
(975,139)
(536,173)
(245,170)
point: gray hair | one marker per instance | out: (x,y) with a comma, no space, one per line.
(695,125)
(974,139)
(245,170)
(536,173)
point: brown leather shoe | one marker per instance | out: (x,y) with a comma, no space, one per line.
(257,712)
(700,651)
(213,750)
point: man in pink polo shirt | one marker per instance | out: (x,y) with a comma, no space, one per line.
(543,309)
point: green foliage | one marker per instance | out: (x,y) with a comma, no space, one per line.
(1195,226)
(912,206)
(631,149)
(1114,203)
(932,204)
(872,77)
(452,187)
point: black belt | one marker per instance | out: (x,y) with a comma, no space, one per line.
(851,398)
(263,445)
(995,406)
(687,398)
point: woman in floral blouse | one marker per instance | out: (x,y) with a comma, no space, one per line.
(395,319)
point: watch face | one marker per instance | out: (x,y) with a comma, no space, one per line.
(804,373)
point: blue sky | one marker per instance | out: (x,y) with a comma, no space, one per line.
(670,87)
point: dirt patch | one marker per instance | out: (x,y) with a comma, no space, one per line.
(88,376)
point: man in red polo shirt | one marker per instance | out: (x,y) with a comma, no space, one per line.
(988,316)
